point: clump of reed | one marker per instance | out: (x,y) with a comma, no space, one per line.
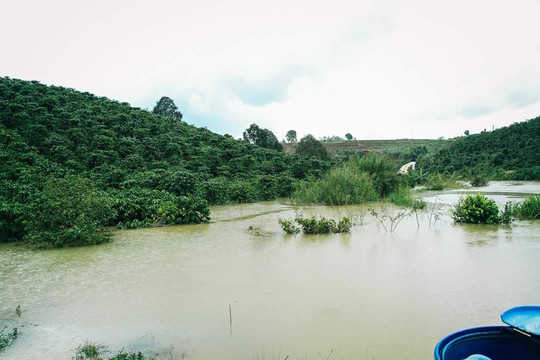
(359,180)
(528,209)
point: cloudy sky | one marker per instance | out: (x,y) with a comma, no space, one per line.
(376,69)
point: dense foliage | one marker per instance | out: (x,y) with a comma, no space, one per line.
(141,168)
(67,212)
(314,225)
(359,180)
(528,209)
(262,137)
(166,107)
(479,209)
(311,147)
(506,153)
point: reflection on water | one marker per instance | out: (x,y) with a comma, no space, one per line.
(363,295)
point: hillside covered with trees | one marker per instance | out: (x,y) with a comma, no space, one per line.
(71,162)
(507,153)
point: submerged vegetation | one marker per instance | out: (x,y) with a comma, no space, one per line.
(314,225)
(96,351)
(528,209)
(359,180)
(8,336)
(478,209)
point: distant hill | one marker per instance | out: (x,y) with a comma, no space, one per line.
(511,152)
(401,150)
(384,146)
(132,155)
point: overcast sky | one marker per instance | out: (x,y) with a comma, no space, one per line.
(376,69)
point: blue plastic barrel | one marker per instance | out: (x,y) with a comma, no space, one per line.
(489,342)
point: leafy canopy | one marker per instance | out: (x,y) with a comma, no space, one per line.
(166,107)
(291,136)
(262,137)
(311,147)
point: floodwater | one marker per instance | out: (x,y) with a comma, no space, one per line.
(366,295)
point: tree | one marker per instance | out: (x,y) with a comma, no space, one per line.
(291,136)
(262,137)
(166,107)
(309,146)
(466,132)
(348,136)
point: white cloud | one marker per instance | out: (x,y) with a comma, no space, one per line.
(376,69)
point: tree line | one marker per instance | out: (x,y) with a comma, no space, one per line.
(71,162)
(510,152)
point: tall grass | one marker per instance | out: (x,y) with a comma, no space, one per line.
(359,180)
(442,181)
(403,198)
(528,209)
(342,186)
(382,171)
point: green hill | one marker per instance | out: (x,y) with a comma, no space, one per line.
(511,152)
(143,168)
(393,148)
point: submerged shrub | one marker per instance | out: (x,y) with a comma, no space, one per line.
(67,212)
(312,225)
(382,171)
(478,209)
(342,186)
(7,338)
(441,182)
(288,226)
(91,351)
(528,209)
(344,225)
(143,207)
(479,180)
(359,180)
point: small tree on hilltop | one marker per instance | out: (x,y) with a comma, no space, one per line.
(291,136)
(348,136)
(309,146)
(166,107)
(262,137)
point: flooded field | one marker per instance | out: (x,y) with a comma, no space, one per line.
(370,294)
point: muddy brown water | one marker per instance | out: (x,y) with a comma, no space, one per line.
(366,295)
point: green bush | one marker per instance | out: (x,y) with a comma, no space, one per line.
(342,186)
(528,209)
(11,225)
(214,191)
(441,181)
(478,209)
(479,180)
(289,226)
(67,212)
(359,180)
(143,207)
(312,225)
(91,351)
(344,225)
(382,171)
